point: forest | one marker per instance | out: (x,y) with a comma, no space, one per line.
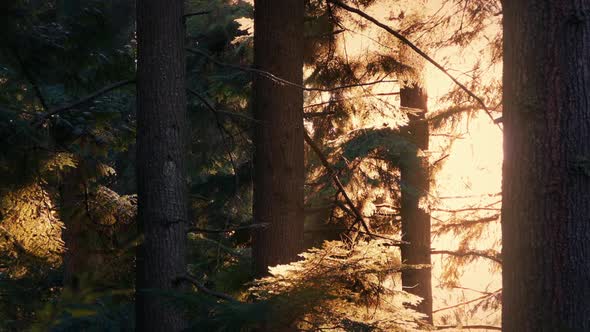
(295,165)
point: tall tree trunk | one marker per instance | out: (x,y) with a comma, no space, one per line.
(161,152)
(415,178)
(278,158)
(546,182)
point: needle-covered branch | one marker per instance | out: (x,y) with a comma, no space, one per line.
(83,100)
(352,208)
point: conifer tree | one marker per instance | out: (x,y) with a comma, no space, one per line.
(161,162)
(546,187)
(278,138)
(415,178)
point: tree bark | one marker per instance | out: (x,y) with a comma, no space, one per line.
(278,157)
(546,183)
(415,178)
(161,152)
(76,255)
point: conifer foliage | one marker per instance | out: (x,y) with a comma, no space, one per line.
(230,165)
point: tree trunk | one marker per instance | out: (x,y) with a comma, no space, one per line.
(546,183)
(278,158)
(76,255)
(161,152)
(415,178)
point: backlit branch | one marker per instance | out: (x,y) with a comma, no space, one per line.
(481,298)
(416,49)
(476,253)
(464,327)
(280,80)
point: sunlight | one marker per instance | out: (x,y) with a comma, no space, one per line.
(471,163)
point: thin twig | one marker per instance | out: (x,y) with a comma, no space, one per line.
(239,228)
(481,298)
(187,15)
(280,80)
(483,327)
(31,79)
(206,290)
(213,109)
(475,253)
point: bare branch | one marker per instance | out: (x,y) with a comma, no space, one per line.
(280,80)
(214,110)
(317,114)
(477,253)
(483,327)
(417,50)
(239,228)
(187,15)
(443,227)
(481,298)
(206,290)
(357,214)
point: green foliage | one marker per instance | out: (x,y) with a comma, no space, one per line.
(384,142)
(56,52)
(339,287)
(88,311)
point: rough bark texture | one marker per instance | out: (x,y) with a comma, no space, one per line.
(415,180)
(278,158)
(546,183)
(161,150)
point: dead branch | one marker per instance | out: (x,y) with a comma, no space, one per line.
(416,49)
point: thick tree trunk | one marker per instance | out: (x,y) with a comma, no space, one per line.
(415,178)
(546,182)
(278,158)
(161,152)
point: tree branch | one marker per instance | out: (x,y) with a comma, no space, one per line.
(187,15)
(83,100)
(31,79)
(280,80)
(326,164)
(468,302)
(495,257)
(357,214)
(483,327)
(206,290)
(239,228)
(416,49)
(214,110)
